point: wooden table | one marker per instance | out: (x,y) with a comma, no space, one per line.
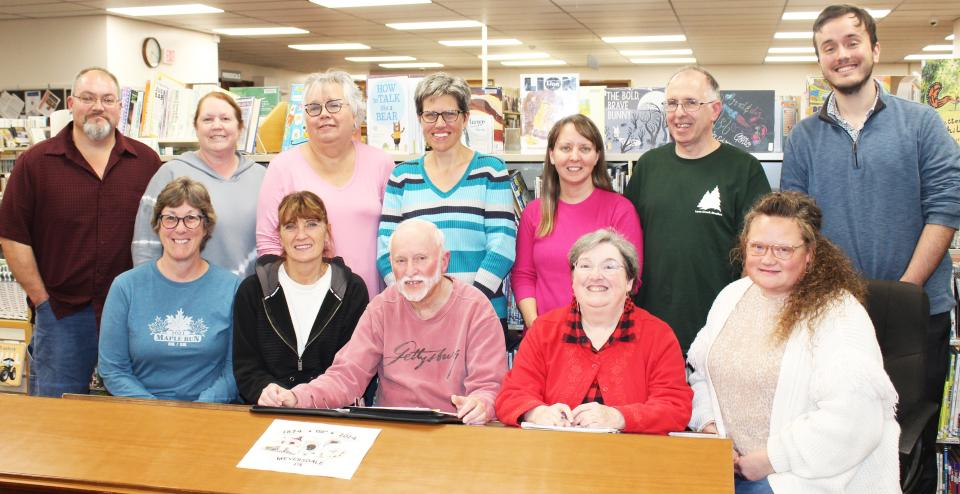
(109,445)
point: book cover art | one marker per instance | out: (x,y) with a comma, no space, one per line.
(269,96)
(747,120)
(294,129)
(485,126)
(940,88)
(392,123)
(816,95)
(634,120)
(544,99)
(593,105)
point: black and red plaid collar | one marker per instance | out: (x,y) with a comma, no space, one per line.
(575,334)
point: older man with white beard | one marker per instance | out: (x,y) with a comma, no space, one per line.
(66,223)
(434,341)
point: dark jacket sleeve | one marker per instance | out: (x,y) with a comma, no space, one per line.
(249,369)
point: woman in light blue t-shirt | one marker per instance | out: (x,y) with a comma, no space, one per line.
(167,326)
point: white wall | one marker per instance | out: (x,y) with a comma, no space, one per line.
(42,53)
(266,76)
(196,58)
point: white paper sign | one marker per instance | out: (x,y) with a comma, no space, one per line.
(309,448)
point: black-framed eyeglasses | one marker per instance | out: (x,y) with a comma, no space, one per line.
(449,116)
(190,221)
(90,100)
(689,105)
(332,106)
(782,252)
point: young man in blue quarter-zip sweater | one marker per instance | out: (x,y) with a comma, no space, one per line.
(885,172)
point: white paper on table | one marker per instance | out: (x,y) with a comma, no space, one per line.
(310,448)
(568,428)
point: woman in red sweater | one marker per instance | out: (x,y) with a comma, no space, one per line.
(600,361)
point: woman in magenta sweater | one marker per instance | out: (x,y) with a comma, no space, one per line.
(576,199)
(599,361)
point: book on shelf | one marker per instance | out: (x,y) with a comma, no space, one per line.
(544,99)
(485,123)
(593,104)
(392,122)
(747,120)
(788,117)
(269,96)
(634,120)
(250,114)
(816,93)
(295,129)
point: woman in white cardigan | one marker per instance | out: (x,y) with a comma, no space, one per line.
(788,364)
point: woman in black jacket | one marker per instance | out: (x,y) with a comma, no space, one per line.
(296,311)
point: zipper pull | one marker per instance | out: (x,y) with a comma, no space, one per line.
(299,364)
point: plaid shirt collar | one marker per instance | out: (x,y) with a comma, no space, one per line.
(575,334)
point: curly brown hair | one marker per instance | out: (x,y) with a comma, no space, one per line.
(829,273)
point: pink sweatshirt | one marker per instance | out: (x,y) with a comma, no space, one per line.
(460,350)
(353,210)
(541,270)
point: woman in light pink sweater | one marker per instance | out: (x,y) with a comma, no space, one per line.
(349,176)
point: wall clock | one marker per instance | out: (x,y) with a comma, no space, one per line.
(152,52)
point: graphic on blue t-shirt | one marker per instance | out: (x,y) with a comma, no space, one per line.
(178,330)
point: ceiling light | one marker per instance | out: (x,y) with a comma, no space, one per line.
(260,31)
(790,58)
(791,49)
(434,25)
(644,39)
(668,60)
(515,56)
(532,63)
(811,15)
(479,42)
(644,53)
(399,58)
(414,65)
(938,48)
(793,35)
(330,47)
(343,4)
(929,56)
(800,16)
(949,38)
(183,9)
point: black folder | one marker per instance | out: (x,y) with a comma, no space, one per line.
(418,415)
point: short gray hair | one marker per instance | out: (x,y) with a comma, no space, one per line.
(711,80)
(95,69)
(440,84)
(607,236)
(437,233)
(351,92)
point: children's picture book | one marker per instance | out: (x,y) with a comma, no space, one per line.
(593,105)
(635,121)
(544,99)
(940,88)
(295,130)
(485,126)
(817,90)
(392,123)
(310,448)
(747,120)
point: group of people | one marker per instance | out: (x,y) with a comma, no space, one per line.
(281,301)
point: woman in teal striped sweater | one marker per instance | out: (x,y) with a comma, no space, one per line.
(465,193)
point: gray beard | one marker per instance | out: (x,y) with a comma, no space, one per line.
(97,132)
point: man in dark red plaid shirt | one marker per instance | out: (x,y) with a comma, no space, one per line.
(66,223)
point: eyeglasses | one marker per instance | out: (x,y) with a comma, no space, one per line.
(449,116)
(89,100)
(190,221)
(689,105)
(606,268)
(332,106)
(782,252)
